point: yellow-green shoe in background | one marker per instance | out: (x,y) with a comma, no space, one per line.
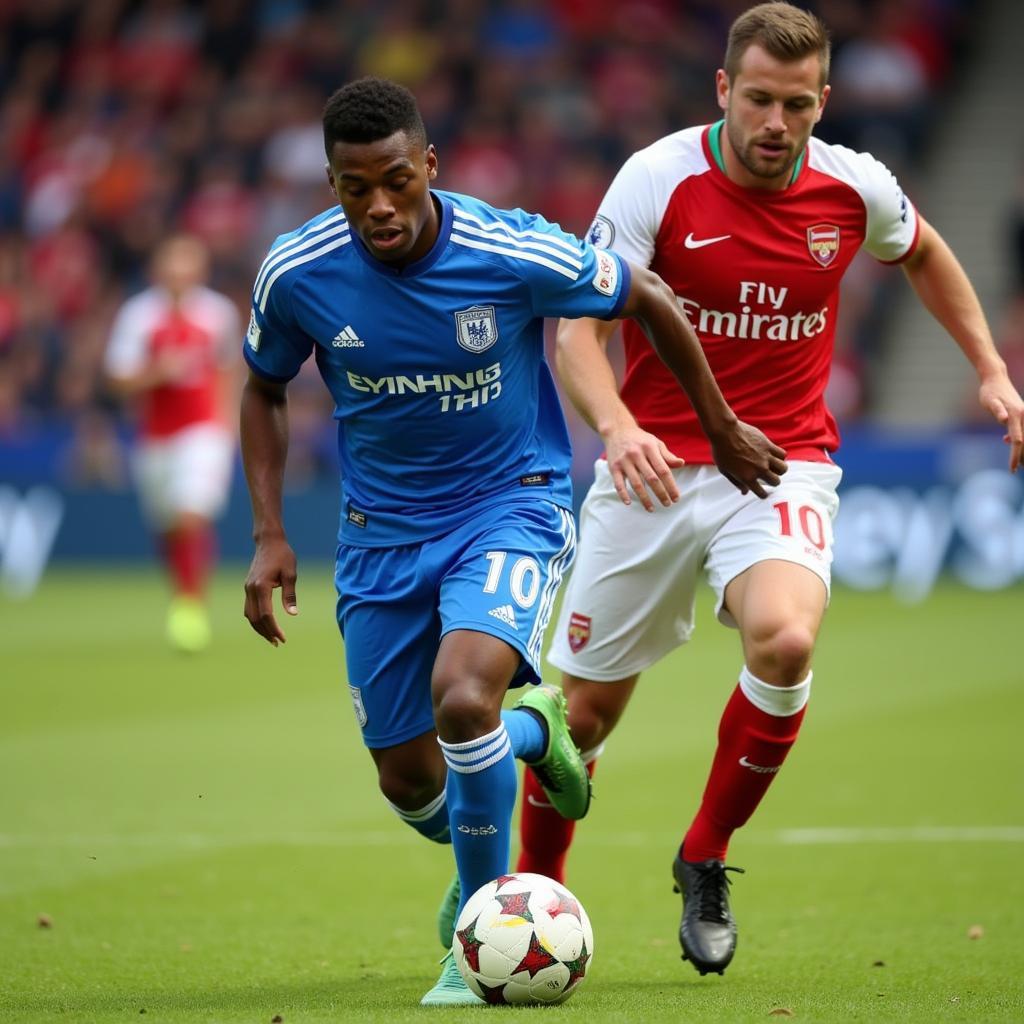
(188,625)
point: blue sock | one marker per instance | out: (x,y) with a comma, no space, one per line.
(430,821)
(529,738)
(481,791)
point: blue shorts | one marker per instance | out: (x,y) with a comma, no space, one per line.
(496,574)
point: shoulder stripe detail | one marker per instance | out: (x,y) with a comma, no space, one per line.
(307,231)
(573,261)
(326,228)
(519,254)
(261,298)
(338,217)
(551,239)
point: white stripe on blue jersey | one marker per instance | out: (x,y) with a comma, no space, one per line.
(519,254)
(297,240)
(309,236)
(303,256)
(493,236)
(461,214)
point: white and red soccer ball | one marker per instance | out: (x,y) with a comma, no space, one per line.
(523,938)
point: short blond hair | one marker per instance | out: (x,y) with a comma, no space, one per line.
(785,32)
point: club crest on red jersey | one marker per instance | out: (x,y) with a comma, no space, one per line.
(823,242)
(579,632)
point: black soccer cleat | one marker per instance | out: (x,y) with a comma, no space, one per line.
(707,931)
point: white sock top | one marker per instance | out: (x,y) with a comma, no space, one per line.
(780,701)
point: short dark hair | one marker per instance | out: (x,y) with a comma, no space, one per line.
(370,109)
(786,32)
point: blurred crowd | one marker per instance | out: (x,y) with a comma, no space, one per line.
(124,120)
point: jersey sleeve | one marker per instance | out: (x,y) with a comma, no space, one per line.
(127,350)
(275,347)
(228,328)
(569,278)
(892,223)
(627,220)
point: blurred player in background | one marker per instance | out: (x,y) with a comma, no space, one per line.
(425,313)
(171,351)
(752,224)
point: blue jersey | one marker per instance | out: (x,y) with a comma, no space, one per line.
(442,394)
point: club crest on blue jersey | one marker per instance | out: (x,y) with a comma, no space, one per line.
(476,328)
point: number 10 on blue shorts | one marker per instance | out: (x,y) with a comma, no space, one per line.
(498,574)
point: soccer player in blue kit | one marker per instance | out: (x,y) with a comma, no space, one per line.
(424,311)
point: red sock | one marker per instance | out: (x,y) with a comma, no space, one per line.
(544,835)
(190,555)
(749,741)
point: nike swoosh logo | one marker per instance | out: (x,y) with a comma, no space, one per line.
(698,243)
(761,769)
(535,802)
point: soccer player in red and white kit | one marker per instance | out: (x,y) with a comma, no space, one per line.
(171,350)
(752,223)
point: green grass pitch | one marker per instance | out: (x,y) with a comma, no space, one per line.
(206,842)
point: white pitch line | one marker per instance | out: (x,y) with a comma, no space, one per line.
(911,834)
(923,834)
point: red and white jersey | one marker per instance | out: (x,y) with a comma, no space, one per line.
(202,332)
(757,273)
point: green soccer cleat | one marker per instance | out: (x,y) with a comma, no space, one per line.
(188,625)
(451,988)
(447,911)
(561,771)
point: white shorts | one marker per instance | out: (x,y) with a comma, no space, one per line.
(188,472)
(630,598)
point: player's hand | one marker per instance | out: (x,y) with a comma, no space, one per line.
(1001,399)
(745,457)
(273,566)
(642,460)
(173,367)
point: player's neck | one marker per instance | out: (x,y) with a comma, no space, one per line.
(732,167)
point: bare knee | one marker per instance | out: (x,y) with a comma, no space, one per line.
(465,709)
(471,674)
(781,655)
(408,788)
(410,774)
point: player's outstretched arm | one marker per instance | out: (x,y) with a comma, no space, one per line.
(946,292)
(742,453)
(635,457)
(165,368)
(264,439)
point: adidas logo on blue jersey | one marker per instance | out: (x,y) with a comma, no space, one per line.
(505,613)
(347,338)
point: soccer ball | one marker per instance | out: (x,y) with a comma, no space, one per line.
(523,938)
